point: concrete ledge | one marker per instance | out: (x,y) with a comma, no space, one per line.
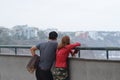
(13,67)
(90,69)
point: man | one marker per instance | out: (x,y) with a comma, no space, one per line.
(47,56)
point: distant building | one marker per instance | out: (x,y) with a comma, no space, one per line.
(81,34)
(26,32)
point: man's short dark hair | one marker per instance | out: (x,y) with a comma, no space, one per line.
(53,35)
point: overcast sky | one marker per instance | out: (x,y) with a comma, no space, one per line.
(65,15)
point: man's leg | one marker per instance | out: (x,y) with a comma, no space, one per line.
(37,74)
(45,75)
(50,75)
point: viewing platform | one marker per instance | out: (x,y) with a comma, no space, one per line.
(103,65)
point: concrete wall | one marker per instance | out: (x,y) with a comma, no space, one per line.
(82,69)
(14,68)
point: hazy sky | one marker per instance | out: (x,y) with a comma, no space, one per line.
(65,15)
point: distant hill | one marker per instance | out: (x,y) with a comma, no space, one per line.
(27,35)
(98,38)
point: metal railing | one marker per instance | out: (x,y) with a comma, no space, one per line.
(107,49)
(16,47)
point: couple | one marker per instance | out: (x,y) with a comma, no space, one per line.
(51,51)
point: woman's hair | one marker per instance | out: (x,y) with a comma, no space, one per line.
(64,41)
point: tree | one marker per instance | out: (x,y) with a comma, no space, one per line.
(5,36)
(41,35)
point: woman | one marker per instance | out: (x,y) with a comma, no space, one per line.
(60,71)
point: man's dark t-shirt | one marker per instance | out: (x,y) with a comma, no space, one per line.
(47,54)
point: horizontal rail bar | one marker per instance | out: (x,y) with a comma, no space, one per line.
(98,48)
(15,46)
(79,48)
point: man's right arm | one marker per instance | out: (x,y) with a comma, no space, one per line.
(32,50)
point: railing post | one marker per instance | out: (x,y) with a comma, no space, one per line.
(0,50)
(107,54)
(79,54)
(15,51)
